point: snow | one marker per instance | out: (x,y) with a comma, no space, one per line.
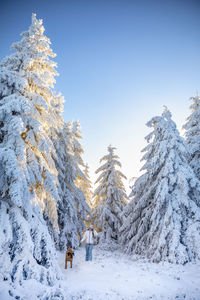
(116,276)
(112,275)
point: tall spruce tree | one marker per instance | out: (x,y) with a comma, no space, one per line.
(162,222)
(77,150)
(86,186)
(109,197)
(28,177)
(72,209)
(83,209)
(192,133)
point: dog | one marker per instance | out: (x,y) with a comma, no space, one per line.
(69,257)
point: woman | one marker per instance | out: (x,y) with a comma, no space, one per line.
(89,237)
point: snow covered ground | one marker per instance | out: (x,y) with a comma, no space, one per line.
(112,275)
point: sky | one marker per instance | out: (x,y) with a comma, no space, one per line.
(119,63)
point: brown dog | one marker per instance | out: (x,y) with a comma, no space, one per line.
(69,257)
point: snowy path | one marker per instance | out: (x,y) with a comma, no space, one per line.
(112,275)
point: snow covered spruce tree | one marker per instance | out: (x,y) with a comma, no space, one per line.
(82,170)
(72,209)
(86,186)
(83,210)
(192,133)
(109,197)
(77,149)
(27,171)
(162,222)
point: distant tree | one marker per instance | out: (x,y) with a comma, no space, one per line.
(28,176)
(109,197)
(162,222)
(192,133)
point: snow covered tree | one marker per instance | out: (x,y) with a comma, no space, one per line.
(86,186)
(31,63)
(192,133)
(72,209)
(162,221)
(28,176)
(109,197)
(77,149)
(83,210)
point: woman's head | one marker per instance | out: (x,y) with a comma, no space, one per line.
(90,227)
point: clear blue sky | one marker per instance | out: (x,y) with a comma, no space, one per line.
(119,63)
